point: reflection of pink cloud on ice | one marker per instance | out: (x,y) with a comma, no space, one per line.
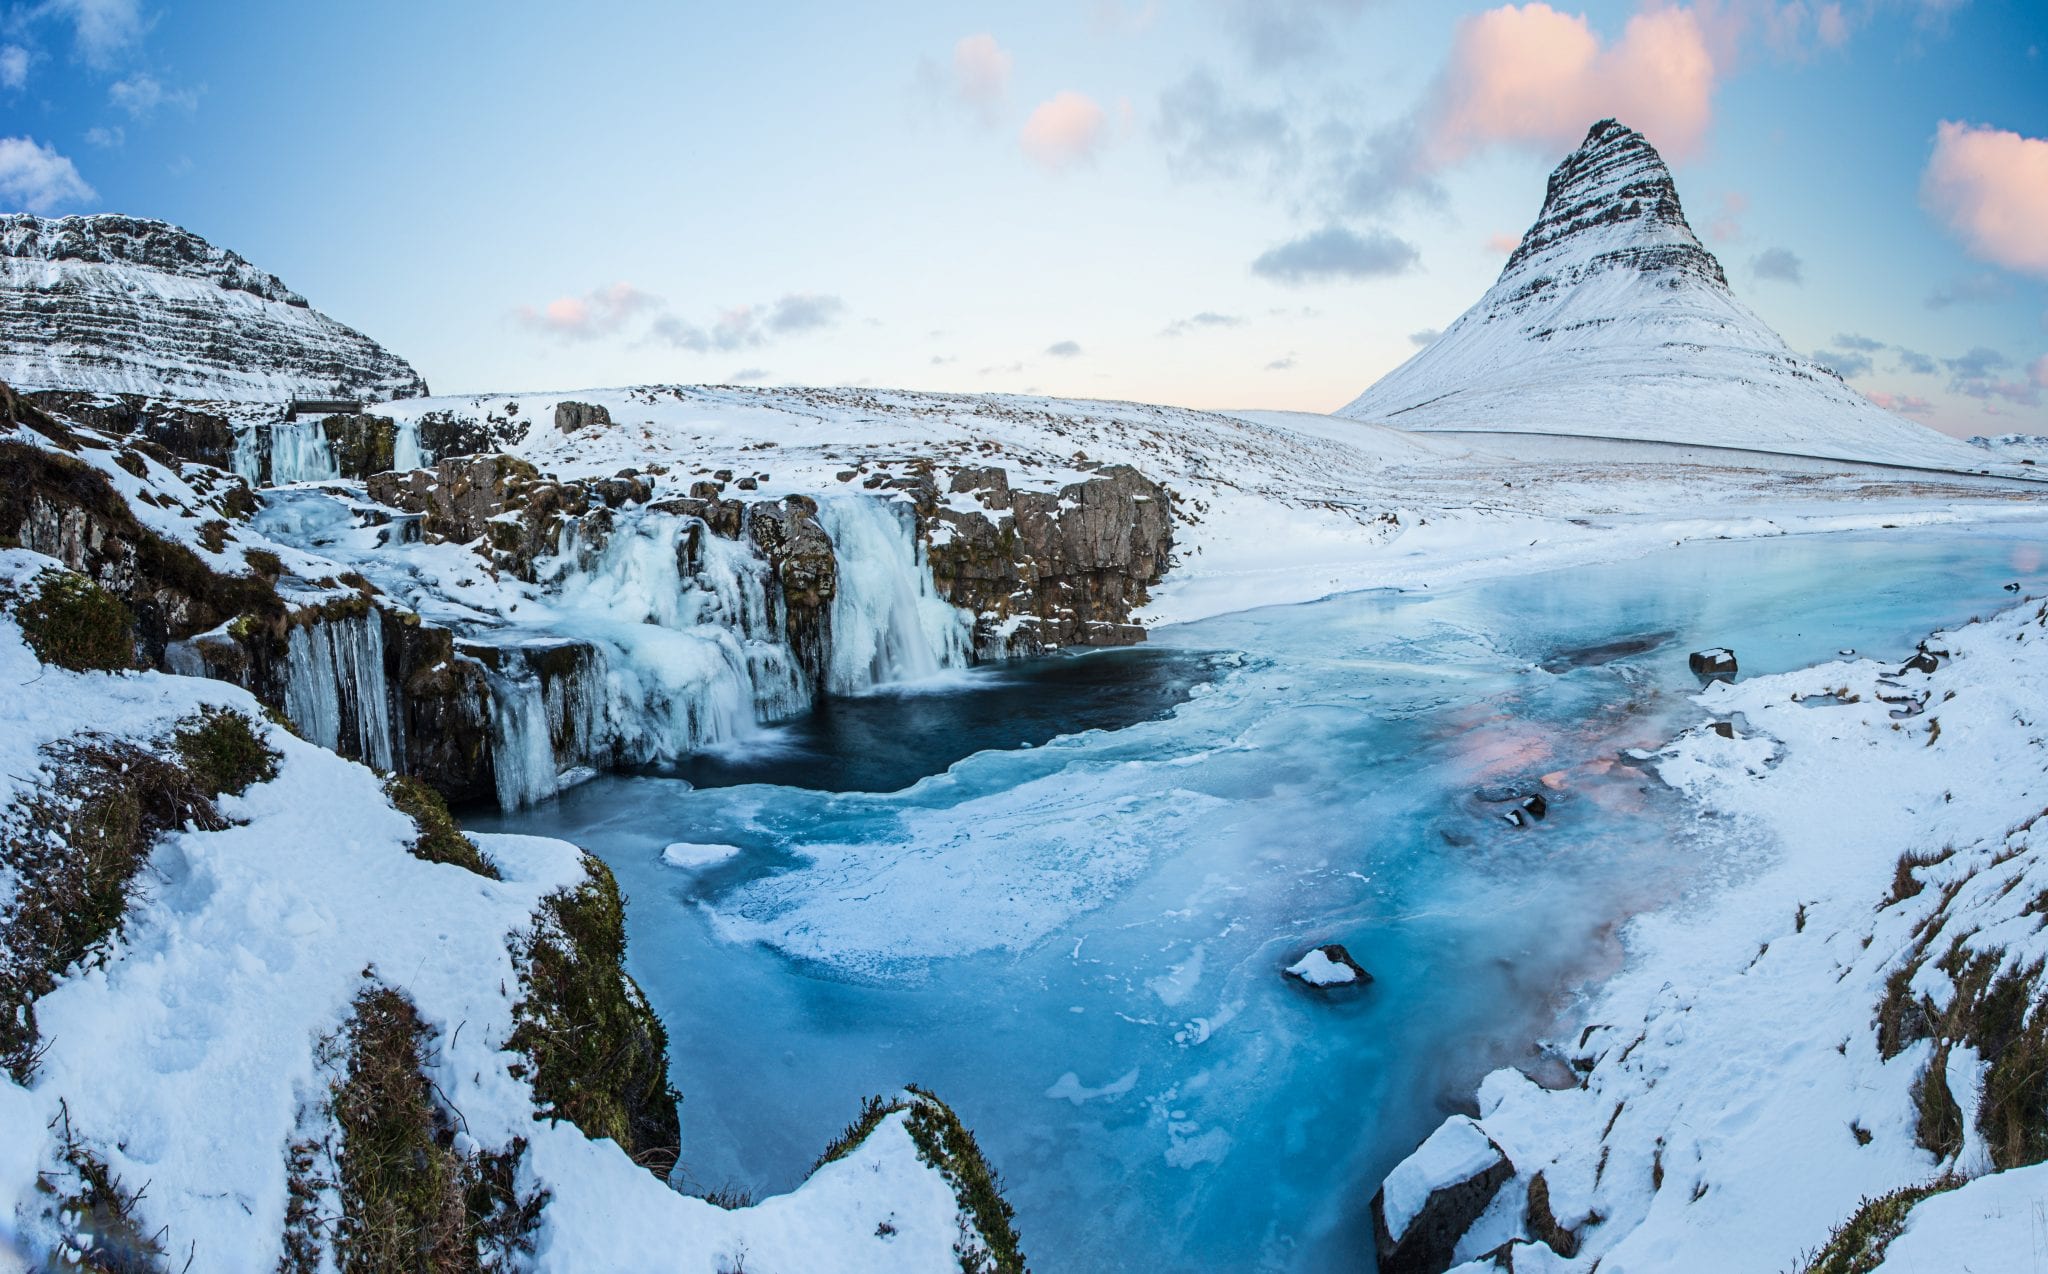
(2026,559)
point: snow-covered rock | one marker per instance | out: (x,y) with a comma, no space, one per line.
(1610,320)
(1328,966)
(130,305)
(690,856)
(1434,1195)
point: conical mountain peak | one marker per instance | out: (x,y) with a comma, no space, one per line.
(1611,320)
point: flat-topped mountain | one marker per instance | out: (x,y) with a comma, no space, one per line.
(1611,320)
(130,305)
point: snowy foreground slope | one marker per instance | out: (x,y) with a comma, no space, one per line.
(1860,1015)
(1611,320)
(135,306)
(1269,507)
(202,1042)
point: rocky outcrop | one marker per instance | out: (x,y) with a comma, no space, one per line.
(800,554)
(1043,570)
(128,305)
(1434,1195)
(186,430)
(55,503)
(503,504)
(571,416)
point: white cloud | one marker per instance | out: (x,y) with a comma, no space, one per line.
(105,138)
(1336,253)
(37,178)
(13,66)
(102,29)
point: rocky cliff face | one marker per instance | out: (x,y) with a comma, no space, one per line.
(133,306)
(1041,570)
(1611,320)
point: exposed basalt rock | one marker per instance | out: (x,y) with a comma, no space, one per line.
(129,305)
(445,433)
(503,504)
(571,416)
(185,430)
(1042,570)
(800,554)
(363,444)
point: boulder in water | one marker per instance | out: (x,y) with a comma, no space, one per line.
(1328,967)
(1714,662)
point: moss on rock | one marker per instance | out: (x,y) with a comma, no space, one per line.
(223,752)
(598,1054)
(440,839)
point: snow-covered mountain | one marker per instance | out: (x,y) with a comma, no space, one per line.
(130,305)
(1611,320)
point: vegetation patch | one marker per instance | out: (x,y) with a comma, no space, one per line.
(69,621)
(1858,1244)
(440,839)
(223,752)
(1905,883)
(98,1228)
(409,1200)
(598,1054)
(76,847)
(946,1144)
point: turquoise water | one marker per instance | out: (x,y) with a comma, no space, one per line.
(1078,943)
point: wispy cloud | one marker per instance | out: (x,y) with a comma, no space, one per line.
(1064,349)
(600,312)
(981,75)
(1847,364)
(1426,337)
(1334,252)
(1206,132)
(804,311)
(36,178)
(1206,319)
(747,376)
(105,138)
(13,66)
(1985,286)
(142,94)
(1990,188)
(1910,404)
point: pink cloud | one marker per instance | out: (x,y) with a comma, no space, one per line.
(1831,26)
(1503,243)
(1912,404)
(1991,188)
(1726,227)
(600,312)
(981,73)
(2038,373)
(1533,75)
(1066,128)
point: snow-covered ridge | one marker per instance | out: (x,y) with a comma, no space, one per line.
(129,305)
(1779,1051)
(1611,320)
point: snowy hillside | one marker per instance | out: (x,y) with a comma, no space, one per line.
(1611,320)
(129,305)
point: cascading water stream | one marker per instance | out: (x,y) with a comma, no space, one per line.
(888,621)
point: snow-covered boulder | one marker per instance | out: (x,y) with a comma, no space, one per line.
(1716,661)
(1434,1195)
(1328,967)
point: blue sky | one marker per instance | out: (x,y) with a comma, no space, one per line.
(1209,202)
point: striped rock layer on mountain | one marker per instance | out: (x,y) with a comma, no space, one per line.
(116,304)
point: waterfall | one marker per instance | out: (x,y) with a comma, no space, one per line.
(405,447)
(664,639)
(335,690)
(888,621)
(299,451)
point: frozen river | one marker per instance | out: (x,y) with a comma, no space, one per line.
(1060,894)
